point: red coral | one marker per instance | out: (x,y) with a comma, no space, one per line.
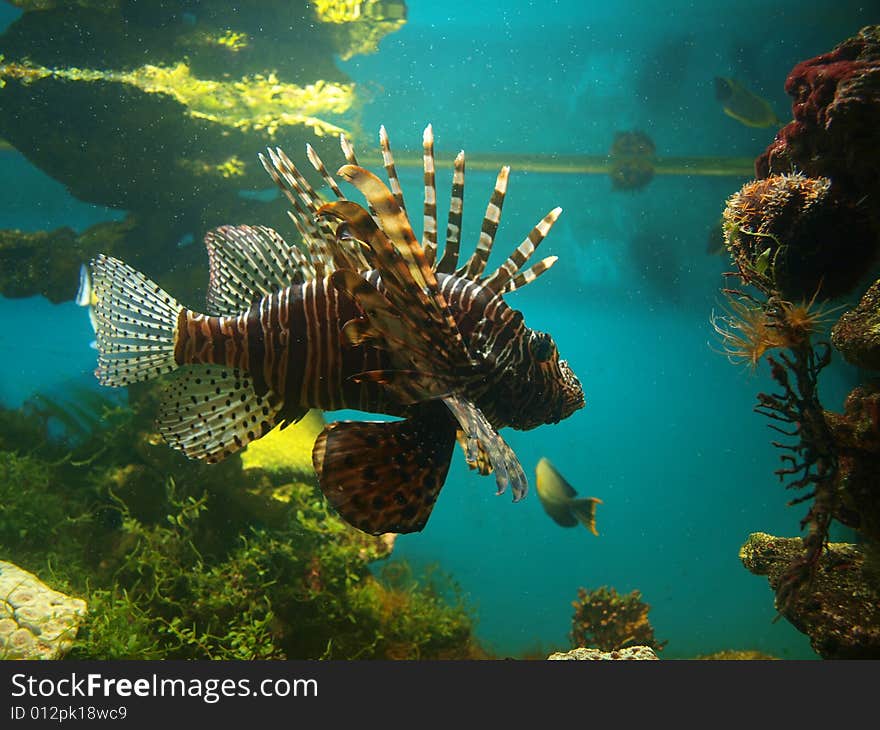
(836,110)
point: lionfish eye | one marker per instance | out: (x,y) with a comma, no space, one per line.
(343,232)
(541,346)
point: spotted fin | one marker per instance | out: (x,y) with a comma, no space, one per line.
(248,263)
(135,323)
(210,411)
(385,476)
(482,464)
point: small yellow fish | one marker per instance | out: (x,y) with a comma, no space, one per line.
(743,105)
(560,501)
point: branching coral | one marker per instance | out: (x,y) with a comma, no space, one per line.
(605,620)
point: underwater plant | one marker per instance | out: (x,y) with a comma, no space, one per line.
(179,560)
(766,321)
(606,620)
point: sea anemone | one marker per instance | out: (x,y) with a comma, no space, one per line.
(746,331)
(749,329)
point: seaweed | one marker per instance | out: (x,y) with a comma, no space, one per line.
(182,560)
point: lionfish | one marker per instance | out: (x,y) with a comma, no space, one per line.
(367,318)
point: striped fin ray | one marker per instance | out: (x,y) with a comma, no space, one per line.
(477,262)
(530,274)
(408,318)
(247,263)
(345,252)
(429,232)
(390,168)
(211,411)
(411,283)
(305,202)
(351,159)
(347,150)
(135,324)
(449,261)
(303,218)
(482,441)
(318,164)
(499,280)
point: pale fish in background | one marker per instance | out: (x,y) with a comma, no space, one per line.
(85,297)
(561,502)
(744,105)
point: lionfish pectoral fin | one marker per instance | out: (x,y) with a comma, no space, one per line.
(481,463)
(385,476)
(585,511)
(382,322)
(479,435)
(210,411)
(384,326)
(408,281)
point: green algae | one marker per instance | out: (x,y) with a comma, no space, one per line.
(182,560)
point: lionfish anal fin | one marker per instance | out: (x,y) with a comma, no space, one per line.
(385,476)
(211,411)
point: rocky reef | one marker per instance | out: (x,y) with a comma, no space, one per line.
(160,108)
(36,622)
(835,134)
(841,611)
(630,653)
(806,232)
(177,559)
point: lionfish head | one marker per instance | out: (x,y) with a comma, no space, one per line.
(543,389)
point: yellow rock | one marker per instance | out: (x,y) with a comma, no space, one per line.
(287,451)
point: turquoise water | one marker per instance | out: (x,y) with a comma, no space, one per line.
(668,439)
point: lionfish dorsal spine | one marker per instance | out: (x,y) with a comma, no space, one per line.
(530,274)
(318,164)
(449,260)
(390,167)
(477,262)
(503,275)
(429,231)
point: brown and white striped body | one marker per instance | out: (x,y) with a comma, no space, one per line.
(290,343)
(365,316)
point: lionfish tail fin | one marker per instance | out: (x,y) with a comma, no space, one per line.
(585,511)
(135,322)
(385,476)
